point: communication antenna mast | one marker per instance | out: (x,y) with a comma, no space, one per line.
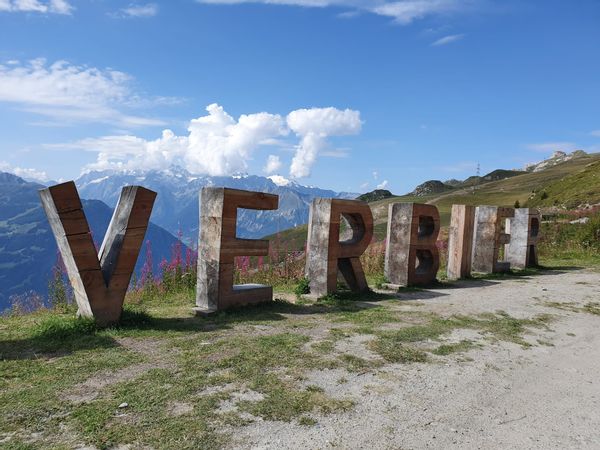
(478,173)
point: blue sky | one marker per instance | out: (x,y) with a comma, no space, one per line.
(343,94)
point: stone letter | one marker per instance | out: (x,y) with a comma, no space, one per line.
(460,241)
(411,257)
(326,254)
(99,281)
(489,235)
(218,246)
(524,231)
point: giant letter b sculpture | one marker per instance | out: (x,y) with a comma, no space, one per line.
(218,246)
(411,256)
(99,280)
(326,255)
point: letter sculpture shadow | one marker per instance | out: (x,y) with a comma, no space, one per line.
(99,279)
(218,246)
(411,256)
(460,241)
(326,255)
(524,230)
(489,235)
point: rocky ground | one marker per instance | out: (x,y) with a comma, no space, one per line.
(500,395)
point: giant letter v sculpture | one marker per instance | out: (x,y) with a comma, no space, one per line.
(99,280)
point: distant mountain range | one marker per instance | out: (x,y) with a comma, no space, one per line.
(177,205)
(28,250)
(27,246)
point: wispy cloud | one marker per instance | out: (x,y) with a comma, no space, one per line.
(273,164)
(67,93)
(139,10)
(448,39)
(37,6)
(548,147)
(27,173)
(595,133)
(401,11)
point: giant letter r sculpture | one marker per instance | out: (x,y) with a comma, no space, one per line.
(326,255)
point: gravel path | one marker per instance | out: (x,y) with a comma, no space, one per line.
(498,396)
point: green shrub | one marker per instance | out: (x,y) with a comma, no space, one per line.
(588,235)
(303,287)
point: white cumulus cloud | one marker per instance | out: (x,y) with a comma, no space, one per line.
(314,126)
(218,144)
(69,93)
(382,185)
(52,6)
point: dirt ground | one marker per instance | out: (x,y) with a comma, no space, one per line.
(499,395)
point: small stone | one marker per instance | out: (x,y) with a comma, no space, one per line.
(123,405)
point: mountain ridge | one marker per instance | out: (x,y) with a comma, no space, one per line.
(177,205)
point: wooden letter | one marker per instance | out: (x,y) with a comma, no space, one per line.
(489,235)
(218,246)
(460,241)
(411,256)
(326,254)
(524,231)
(99,281)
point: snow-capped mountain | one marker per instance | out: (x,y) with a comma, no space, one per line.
(177,203)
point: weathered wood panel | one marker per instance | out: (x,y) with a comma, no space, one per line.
(460,241)
(218,246)
(524,231)
(489,235)
(99,280)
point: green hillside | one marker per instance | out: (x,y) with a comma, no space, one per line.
(579,188)
(568,184)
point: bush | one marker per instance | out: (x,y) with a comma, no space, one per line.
(588,235)
(303,287)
